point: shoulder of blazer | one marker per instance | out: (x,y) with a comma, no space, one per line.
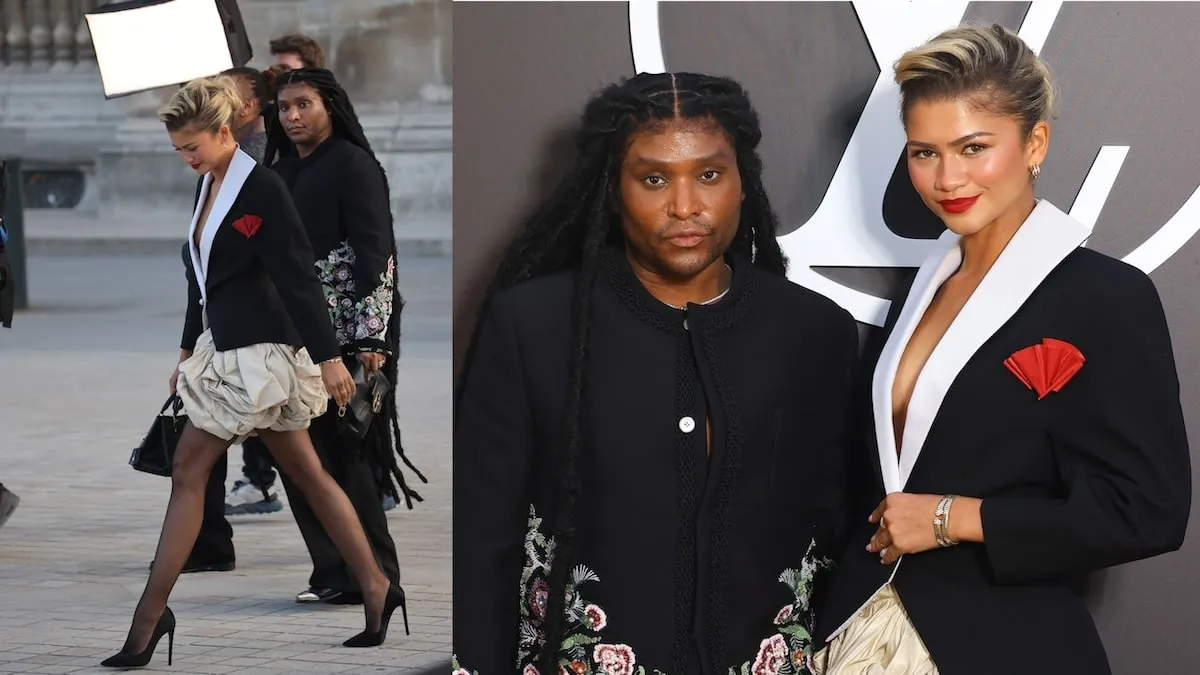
(1101,281)
(264,177)
(264,188)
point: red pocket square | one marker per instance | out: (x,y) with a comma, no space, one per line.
(1045,367)
(247,225)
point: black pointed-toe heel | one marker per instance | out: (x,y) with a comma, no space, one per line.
(165,626)
(367,638)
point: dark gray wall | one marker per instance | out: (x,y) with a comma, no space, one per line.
(1126,73)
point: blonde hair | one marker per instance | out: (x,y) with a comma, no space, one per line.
(205,104)
(991,65)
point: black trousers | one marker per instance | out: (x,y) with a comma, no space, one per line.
(215,543)
(257,466)
(356,477)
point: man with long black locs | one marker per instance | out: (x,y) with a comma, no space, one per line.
(650,427)
(341,192)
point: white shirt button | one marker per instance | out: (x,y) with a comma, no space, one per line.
(687,424)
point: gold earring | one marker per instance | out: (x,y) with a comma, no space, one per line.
(1035,171)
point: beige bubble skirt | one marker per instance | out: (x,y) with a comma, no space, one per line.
(231,394)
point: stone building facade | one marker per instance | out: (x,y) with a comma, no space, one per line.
(109,163)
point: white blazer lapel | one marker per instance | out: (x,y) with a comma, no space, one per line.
(197,268)
(1039,245)
(940,264)
(231,187)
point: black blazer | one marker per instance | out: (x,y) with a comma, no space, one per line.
(1093,475)
(342,196)
(700,562)
(259,285)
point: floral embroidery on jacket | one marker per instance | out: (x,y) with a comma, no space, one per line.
(790,650)
(356,318)
(582,652)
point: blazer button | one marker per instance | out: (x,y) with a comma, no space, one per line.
(687,424)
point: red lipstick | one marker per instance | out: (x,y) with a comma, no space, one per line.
(959,205)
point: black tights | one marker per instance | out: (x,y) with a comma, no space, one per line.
(195,456)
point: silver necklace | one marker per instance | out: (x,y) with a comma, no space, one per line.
(710,300)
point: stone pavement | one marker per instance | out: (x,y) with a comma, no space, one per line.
(82,374)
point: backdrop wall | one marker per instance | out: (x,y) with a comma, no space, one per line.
(1124,155)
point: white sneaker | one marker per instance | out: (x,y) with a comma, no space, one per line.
(245,498)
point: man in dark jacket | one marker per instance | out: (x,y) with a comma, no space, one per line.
(649,429)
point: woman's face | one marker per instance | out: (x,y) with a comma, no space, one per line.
(202,149)
(971,166)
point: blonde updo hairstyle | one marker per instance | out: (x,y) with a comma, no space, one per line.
(205,104)
(991,66)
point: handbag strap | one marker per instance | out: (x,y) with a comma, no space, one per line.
(174,403)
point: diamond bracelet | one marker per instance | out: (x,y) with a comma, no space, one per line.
(941,522)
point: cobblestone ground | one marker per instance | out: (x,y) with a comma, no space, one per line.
(81,375)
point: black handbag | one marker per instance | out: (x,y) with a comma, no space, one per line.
(157,452)
(369,391)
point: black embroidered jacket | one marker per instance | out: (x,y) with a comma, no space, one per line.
(692,558)
(342,198)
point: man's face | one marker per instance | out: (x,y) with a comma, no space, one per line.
(287,60)
(303,115)
(680,197)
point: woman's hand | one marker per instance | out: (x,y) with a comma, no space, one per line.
(905,526)
(338,382)
(372,361)
(184,355)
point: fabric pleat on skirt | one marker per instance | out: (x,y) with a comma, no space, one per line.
(230,394)
(880,640)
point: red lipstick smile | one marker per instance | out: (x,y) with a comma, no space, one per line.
(961,205)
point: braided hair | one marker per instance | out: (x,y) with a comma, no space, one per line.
(572,226)
(382,443)
(261,84)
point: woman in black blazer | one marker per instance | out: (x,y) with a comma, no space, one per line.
(256,323)
(1023,426)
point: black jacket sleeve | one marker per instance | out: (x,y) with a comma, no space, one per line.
(494,448)
(365,212)
(286,252)
(1121,449)
(839,457)
(193,322)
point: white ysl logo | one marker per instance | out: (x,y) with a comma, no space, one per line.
(847,229)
